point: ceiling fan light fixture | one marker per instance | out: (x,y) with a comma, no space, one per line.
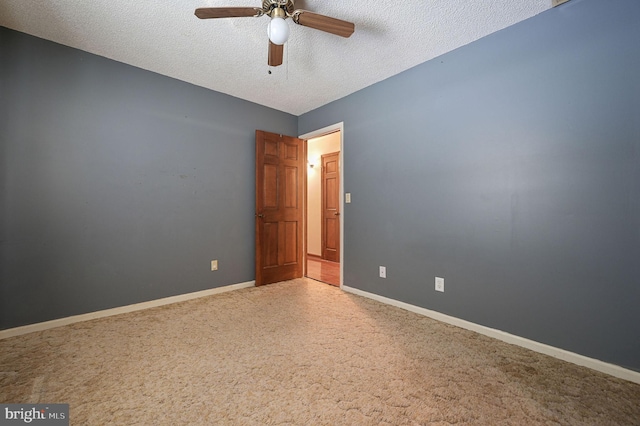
(278,31)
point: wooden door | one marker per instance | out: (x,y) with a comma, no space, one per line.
(331,207)
(280,168)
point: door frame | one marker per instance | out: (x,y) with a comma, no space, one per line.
(311,135)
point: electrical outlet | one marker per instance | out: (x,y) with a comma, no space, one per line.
(214,265)
(440,284)
(383,272)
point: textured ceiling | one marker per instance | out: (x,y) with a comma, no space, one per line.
(230,55)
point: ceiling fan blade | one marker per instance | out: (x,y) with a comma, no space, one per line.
(324,23)
(275,54)
(227,12)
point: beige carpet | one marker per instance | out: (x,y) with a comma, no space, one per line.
(300,352)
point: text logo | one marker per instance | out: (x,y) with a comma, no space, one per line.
(34,414)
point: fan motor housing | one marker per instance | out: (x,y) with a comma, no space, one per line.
(269,5)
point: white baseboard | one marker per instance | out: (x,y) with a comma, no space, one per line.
(17,331)
(594,364)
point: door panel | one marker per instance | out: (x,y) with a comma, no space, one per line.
(291,243)
(270,186)
(270,247)
(331,207)
(279,207)
(291,187)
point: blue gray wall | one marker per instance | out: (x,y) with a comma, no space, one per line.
(118,185)
(510,167)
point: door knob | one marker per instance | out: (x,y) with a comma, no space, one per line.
(259,215)
(337,213)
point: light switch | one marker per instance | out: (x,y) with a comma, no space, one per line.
(347,197)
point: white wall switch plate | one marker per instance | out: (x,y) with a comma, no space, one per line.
(347,197)
(440,284)
(383,272)
(214,265)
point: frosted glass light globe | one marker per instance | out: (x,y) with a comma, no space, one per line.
(278,31)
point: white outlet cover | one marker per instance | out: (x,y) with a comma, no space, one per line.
(214,265)
(383,272)
(440,284)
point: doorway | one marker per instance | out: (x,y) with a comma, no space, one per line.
(324,223)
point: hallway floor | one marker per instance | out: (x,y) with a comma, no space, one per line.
(323,270)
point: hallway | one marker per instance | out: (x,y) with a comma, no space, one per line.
(323,270)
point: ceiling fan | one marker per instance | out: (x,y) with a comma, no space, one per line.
(278,30)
